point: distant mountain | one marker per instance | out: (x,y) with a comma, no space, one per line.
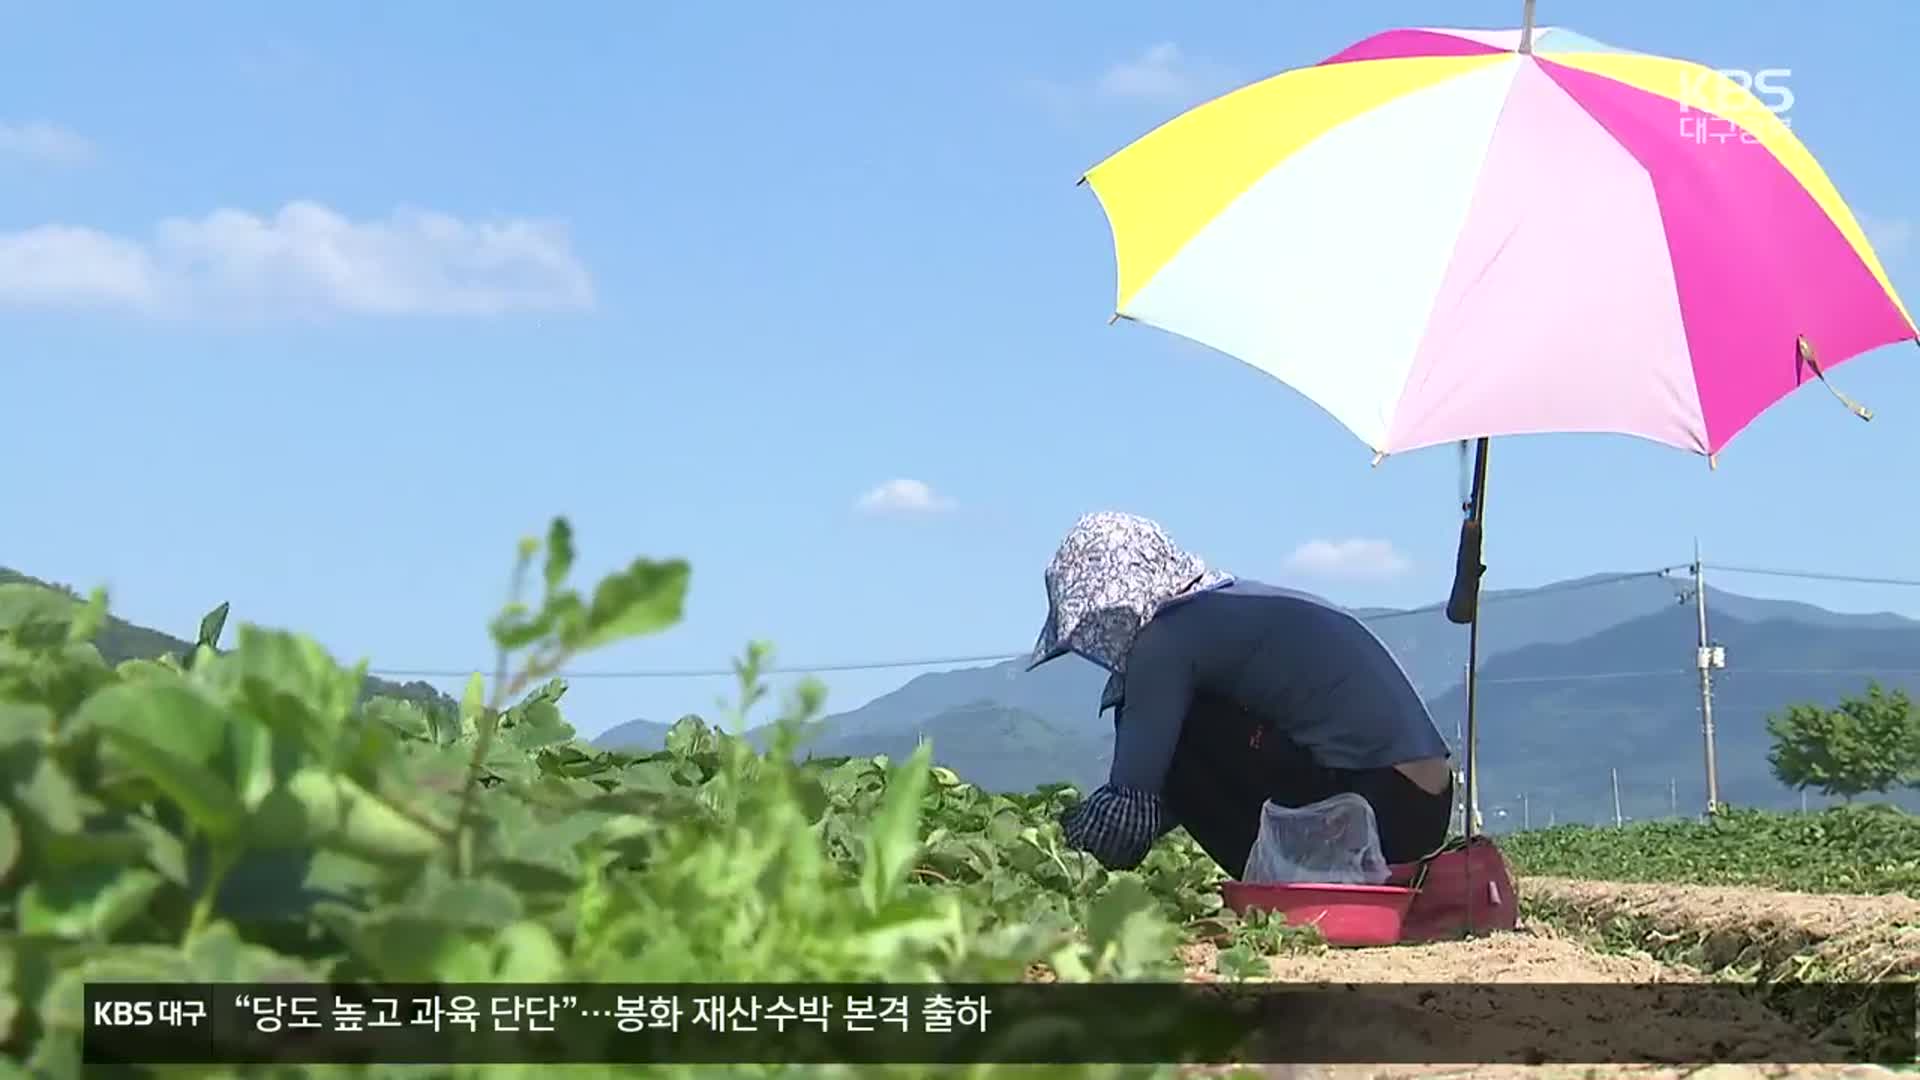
(638,736)
(1434,651)
(1006,747)
(1017,749)
(1552,725)
(1576,678)
(1066,688)
(119,641)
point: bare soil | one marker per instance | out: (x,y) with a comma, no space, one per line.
(1854,938)
(1532,954)
(1822,915)
(1863,936)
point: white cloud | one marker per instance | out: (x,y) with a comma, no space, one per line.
(1348,559)
(306,259)
(1162,75)
(1890,236)
(48,144)
(55,265)
(903,497)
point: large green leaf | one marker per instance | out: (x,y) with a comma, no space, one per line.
(9,844)
(536,722)
(210,627)
(645,598)
(291,683)
(470,903)
(404,945)
(218,954)
(559,554)
(174,737)
(319,808)
(404,717)
(527,952)
(35,616)
(86,901)
(894,837)
(43,791)
(473,705)
(1125,931)
(21,722)
(206,797)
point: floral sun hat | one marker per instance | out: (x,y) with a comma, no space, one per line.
(1111,575)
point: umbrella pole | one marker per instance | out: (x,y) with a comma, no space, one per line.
(1463,607)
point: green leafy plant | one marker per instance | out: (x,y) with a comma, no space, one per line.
(244,816)
(1868,744)
(1863,848)
(1248,942)
(209,636)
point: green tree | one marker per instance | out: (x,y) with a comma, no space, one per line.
(1868,744)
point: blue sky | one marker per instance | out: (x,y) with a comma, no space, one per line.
(318,310)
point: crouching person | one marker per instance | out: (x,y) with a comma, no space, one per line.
(1229,693)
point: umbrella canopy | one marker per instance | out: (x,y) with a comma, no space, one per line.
(1436,236)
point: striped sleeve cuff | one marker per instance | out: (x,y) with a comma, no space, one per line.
(1116,825)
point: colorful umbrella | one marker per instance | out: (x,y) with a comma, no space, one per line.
(1446,235)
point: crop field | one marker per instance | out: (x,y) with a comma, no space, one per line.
(241,815)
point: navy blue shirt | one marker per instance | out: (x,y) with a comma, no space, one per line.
(1310,669)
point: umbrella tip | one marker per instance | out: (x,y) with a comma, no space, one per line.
(1377,459)
(1113,318)
(1713,461)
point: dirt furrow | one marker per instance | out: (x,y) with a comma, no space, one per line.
(1837,937)
(1859,937)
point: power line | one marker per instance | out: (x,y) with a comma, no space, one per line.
(1588,677)
(1814,575)
(982,658)
(702,673)
(1544,590)
(1491,598)
(1509,680)
(1725,672)
(1722,673)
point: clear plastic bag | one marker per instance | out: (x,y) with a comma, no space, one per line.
(1332,842)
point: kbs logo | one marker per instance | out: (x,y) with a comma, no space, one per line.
(1732,103)
(123,1013)
(1731,91)
(163,1010)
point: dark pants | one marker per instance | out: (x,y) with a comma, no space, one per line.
(1227,765)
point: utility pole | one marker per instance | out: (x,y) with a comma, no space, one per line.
(1617,820)
(1706,658)
(1526,811)
(1467,782)
(1673,797)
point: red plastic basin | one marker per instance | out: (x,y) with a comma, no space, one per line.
(1347,915)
